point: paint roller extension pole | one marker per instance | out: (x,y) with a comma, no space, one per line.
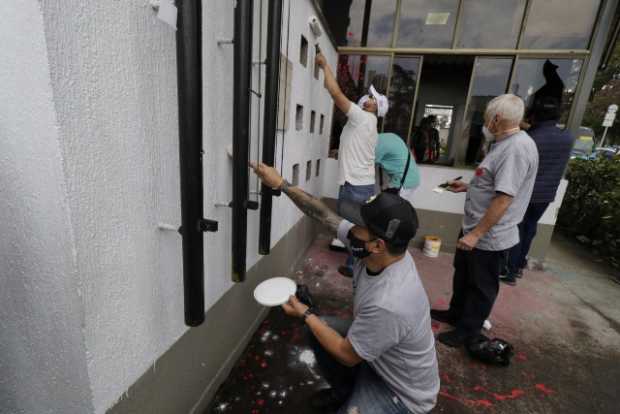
(241,131)
(272,78)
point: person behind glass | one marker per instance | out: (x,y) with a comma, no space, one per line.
(426,140)
(495,203)
(356,153)
(554,146)
(395,160)
(384,360)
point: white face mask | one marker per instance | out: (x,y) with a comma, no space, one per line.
(487,134)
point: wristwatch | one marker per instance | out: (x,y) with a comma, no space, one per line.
(307,313)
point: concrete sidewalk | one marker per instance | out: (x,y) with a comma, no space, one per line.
(563,323)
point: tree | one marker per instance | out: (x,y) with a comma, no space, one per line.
(605,91)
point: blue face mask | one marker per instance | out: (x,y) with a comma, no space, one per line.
(358,246)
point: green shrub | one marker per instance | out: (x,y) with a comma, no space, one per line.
(591,207)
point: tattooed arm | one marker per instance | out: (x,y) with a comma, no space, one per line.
(309,204)
(312,206)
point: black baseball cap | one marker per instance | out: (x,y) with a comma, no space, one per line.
(386,215)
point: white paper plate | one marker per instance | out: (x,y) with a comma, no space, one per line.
(275,291)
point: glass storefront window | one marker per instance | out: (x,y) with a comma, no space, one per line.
(491,77)
(347,21)
(490,24)
(560,24)
(550,77)
(355,75)
(405,73)
(427,23)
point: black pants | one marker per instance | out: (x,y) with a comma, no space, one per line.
(475,286)
(527,231)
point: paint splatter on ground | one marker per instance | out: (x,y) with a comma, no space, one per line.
(564,359)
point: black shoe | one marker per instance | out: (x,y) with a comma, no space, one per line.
(454,338)
(326,400)
(508,279)
(519,274)
(444,316)
(345,271)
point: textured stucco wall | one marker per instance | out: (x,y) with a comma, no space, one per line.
(42,350)
(113,70)
(113,73)
(299,146)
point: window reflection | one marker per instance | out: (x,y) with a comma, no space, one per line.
(490,24)
(401,95)
(547,77)
(560,24)
(355,75)
(361,22)
(491,76)
(427,23)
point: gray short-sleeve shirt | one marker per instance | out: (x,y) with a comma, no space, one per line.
(391,329)
(510,167)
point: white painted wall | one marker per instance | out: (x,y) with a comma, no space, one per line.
(93,293)
(42,349)
(299,146)
(430,177)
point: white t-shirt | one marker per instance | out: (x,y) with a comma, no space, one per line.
(357,148)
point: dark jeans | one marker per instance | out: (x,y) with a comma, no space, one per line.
(527,231)
(359,386)
(358,194)
(475,286)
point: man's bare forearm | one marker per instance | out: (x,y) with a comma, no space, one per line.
(495,212)
(312,206)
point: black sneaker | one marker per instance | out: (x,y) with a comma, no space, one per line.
(326,400)
(508,279)
(444,316)
(454,338)
(519,274)
(345,271)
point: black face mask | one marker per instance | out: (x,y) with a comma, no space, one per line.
(358,246)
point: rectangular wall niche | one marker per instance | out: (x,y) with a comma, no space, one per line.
(303,51)
(321,124)
(295,174)
(299,118)
(318,167)
(312,121)
(308,170)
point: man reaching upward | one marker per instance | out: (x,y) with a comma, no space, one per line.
(356,153)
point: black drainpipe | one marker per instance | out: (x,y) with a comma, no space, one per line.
(272,78)
(189,79)
(241,125)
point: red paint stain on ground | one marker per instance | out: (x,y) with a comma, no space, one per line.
(514,394)
(543,388)
(467,402)
(521,356)
(446,378)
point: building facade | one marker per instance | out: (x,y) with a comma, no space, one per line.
(449,58)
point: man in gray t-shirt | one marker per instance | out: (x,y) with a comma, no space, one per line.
(497,198)
(384,361)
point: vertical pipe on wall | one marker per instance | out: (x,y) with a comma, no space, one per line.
(189,77)
(241,125)
(272,78)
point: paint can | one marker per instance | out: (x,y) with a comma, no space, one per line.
(432,245)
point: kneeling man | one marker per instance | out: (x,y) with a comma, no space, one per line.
(384,360)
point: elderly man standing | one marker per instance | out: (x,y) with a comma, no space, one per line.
(357,143)
(497,198)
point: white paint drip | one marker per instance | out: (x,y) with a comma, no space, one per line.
(307,357)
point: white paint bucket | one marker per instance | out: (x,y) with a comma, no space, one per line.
(432,245)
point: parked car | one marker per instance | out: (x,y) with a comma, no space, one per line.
(605,152)
(584,144)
